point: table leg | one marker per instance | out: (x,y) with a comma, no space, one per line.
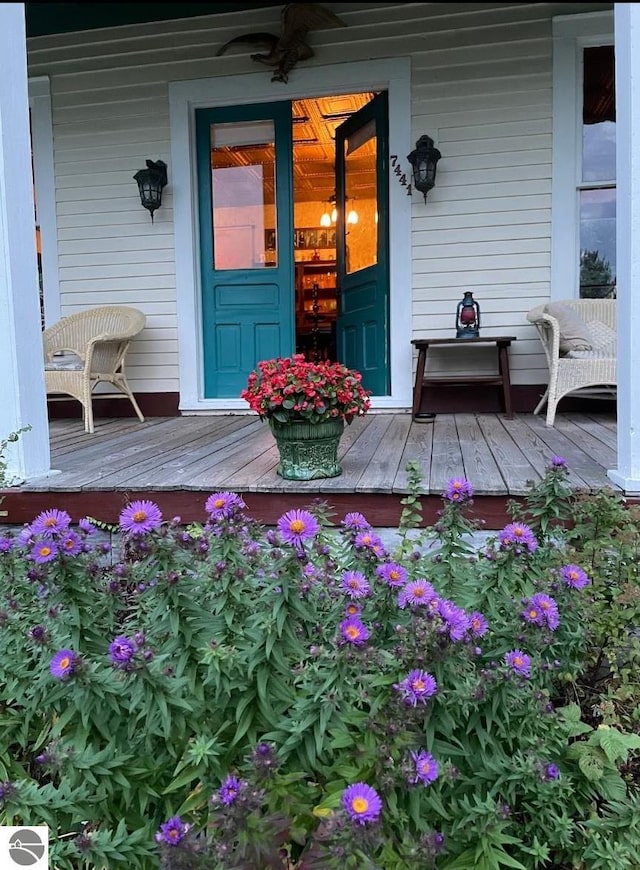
(417,387)
(503,367)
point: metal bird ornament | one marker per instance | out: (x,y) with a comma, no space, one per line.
(284,51)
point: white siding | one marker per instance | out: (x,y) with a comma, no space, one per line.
(481,87)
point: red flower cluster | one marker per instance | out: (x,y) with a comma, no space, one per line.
(291,388)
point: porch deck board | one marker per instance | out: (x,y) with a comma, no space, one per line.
(237,452)
(570,443)
(478,454)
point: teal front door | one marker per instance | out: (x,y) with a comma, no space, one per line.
(362,245)
(244,160)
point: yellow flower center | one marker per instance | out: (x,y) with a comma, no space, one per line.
(417,685)
(457,484)
(218,503)
(360,805)
(139,516)
(517,660)
(352,583)
(296,526)
(533,614)
(352,632)
(45,551)
(50,522)
(518,532)
(173,834)
(573,575)
(64,663)
(394,575)
(418,592)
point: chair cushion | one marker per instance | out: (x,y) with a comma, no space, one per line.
(574,332)
(604,337)
(67,363)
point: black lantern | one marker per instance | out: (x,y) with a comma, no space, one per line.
(424,160)
(468,317)
(150,183)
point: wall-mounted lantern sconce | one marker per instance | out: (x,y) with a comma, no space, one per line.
(468,317)
(150,183)
(424,159)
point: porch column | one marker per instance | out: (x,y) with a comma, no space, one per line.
(627,51)
(22,392)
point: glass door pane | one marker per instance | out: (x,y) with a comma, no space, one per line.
(361,198)
(243,163)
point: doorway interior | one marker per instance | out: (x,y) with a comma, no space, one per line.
(246,212)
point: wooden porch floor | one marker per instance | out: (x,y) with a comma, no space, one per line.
(178,461)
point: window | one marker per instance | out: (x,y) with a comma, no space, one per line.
(584,174)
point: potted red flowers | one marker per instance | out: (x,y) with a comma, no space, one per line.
(306,404)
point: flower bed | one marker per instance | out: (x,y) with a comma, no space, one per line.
(225,696)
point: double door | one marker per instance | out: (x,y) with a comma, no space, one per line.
(245,172)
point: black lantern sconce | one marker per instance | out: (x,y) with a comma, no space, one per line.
(424,159)
(150,183)
(468,317)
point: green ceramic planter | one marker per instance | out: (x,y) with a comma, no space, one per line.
(308,451)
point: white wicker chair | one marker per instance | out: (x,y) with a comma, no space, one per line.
(587,372)
(88,348)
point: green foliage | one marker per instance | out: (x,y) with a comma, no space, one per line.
(233,660)
(11,438)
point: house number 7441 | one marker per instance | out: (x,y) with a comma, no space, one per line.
(397,170)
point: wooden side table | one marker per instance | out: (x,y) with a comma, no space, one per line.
(502,344)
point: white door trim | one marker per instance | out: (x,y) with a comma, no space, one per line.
(393,75)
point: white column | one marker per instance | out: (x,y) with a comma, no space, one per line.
(627,49)
(22,392)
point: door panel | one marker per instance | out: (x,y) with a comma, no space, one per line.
(244,184)
(362,246)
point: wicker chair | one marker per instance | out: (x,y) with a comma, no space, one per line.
(588,370)
(88,348)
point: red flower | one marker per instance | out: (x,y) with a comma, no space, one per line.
(290,388)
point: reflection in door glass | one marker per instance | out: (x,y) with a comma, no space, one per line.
(243,194)
(361,224)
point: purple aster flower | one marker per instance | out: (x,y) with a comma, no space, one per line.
(39,634)
(51,523)
(367,540)
(43,552)
(173,831)
(6,543)
(426,768)
(70,543)
(362,803)
(298,526)
(416,687)
(519,662)
(456,621)
(230,789)
(62,664)
(121,650)
(416,593)
(478,625)
(392,574)
(354,631)
(558,462)
(551,772)
(458,489)
(547,609)
(532,613)
(87,526)
(223,504)
(354,583)
(356,521)
(352,609)
(518,535)
(140,517)
(574,576)
(25,536)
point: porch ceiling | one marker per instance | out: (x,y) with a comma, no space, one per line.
(47,18)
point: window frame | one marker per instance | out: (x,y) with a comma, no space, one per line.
(571,34)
